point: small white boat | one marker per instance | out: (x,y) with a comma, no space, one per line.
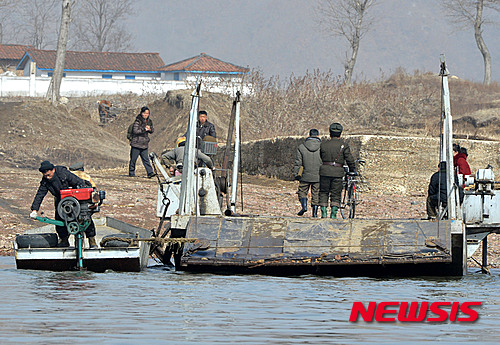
(43,254)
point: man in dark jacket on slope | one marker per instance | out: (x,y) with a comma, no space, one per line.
(309,159)
(143,126)
(55,179)
(204,127)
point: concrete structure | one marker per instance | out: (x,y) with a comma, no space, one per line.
(394,164)
(82,87)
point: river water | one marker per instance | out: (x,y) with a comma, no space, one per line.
(164,307)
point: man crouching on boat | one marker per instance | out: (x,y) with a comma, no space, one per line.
(55,179)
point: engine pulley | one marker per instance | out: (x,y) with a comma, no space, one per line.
(69,209)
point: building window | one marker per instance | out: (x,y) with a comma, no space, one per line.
(107,76)
(176,76)
(50,74)
(130,77)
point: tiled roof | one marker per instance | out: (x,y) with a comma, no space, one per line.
(96,61)
(204,63)
(12,51)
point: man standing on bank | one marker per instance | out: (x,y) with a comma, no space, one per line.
(203,127)
(56,178)
(308,157)
(143,126)
(334,153)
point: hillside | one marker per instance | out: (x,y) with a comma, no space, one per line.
(402,105)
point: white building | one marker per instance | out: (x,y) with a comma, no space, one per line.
(97,73)
(203,65)
(101,65)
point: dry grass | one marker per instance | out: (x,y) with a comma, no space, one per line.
(403,103)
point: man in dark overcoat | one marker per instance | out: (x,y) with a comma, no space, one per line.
(309,159)
(334,153)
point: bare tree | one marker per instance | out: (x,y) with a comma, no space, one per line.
(55,83)
(348,19)
(39,22)
(6,8)
(471,13)
(99,25)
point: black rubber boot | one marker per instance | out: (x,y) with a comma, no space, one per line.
(333,215)
(303,202)
(92,243)
(63,242)
(315,211)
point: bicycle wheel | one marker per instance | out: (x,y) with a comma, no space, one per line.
(348,206)
(352,201)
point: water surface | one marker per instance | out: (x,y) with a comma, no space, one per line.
(165,307)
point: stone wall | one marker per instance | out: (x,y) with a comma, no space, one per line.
(395,165)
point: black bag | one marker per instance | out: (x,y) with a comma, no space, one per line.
(130,132)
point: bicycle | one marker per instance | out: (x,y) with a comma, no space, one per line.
(348,201)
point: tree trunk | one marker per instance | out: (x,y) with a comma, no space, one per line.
(349,66)
(478,33)
(55,83)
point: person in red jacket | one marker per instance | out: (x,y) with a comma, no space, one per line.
(460,159)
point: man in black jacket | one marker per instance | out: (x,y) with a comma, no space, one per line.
(203,127)
(55,179)
(437,193)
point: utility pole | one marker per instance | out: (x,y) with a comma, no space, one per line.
(53,92)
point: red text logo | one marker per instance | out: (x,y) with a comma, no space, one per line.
(415,311)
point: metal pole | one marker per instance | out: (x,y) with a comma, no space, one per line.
(187,198)
(448,145)
(485,251)
(236,159)
(79,250)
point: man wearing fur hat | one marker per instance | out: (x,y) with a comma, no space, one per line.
(55,179)
(334,153)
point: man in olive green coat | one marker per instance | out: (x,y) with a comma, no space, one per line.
(334,153)
(308,158)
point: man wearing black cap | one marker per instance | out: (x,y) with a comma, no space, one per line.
(56,178)
(334,153)
(309,159)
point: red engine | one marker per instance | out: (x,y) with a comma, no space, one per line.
(79,204)
(79,194)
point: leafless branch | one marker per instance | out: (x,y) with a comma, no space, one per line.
(99,25)
(349,19)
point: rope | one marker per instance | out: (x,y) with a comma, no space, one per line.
(156,240)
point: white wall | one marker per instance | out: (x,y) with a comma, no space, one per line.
(79,87)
